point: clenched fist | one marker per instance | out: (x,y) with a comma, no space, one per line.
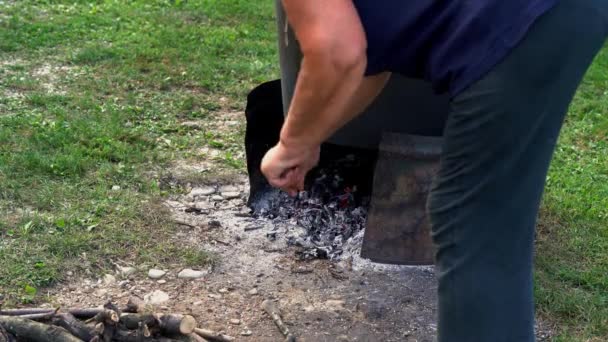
(286,166)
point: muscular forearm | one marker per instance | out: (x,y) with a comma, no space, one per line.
(331,88)
(321,100)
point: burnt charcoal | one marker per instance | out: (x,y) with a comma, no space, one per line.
(334,206)
(313,253)
(331,210)
(214,224)
(196,211)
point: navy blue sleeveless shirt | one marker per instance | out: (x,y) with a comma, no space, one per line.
(448,43)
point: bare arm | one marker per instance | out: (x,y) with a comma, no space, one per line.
(331,88)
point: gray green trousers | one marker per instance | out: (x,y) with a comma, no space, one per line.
(499,140)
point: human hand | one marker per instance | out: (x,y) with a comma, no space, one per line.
(286,166)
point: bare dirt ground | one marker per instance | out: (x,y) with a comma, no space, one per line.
(348,300)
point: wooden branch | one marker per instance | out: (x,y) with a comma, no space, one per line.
(213,335)
(273,311)
(25,329)
(176,324)
(131,320)
(74,326)
(85,313)
(21,312)
(38,317)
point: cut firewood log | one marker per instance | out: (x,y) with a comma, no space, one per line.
(143,331)
(110,320)
(28,330)
(132,320)
(99,328)
(107,317)
(111,306)
(213,335)
(176,324)
(74,326)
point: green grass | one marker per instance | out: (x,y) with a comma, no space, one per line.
(572,256)
(92,94)
(131,71)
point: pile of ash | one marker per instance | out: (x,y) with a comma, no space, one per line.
(331,210)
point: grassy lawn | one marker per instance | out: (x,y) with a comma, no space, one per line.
(572,254)
(92,94)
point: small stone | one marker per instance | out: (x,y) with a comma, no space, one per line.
(70,273)
(217,198)
(161,281)
(229,188)
(109,279)
(342,338)
(188,273)
(127,271)
(101,292)
(231,194)
(215,296)
(116,188)
(246,333)
(204,191)
(157,297)
(235,321)
(223,290)
(155,273)
(334,304)
(253,291)
(197,303)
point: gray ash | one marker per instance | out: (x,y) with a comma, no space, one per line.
(332,210)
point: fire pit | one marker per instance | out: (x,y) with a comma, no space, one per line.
(336,202)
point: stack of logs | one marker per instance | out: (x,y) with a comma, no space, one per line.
(129,324)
